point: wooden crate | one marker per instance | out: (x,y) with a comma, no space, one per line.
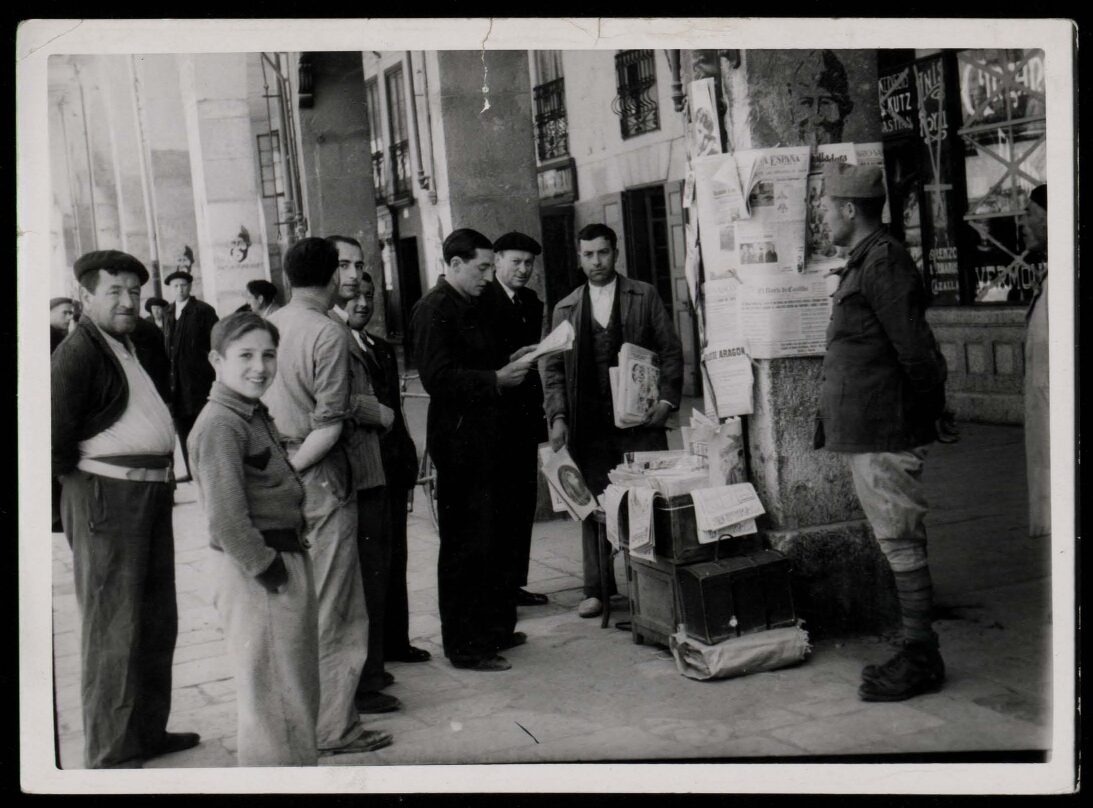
(654,600)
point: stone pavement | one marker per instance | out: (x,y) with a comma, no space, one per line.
(577,692)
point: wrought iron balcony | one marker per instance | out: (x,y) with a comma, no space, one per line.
(551,124)
(379,176)
(400,163)
(636,103)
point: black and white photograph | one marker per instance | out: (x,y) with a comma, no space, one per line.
(300,535)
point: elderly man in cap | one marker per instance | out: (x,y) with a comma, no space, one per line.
(1037,402)
(517,320)
(883,389)
(189,323)
(112,446)
(60,318)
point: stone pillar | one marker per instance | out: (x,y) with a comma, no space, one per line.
(230,225)
(336,161)
(792,98)
(489,154)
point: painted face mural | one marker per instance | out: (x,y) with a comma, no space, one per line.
(240,245)
(820,97)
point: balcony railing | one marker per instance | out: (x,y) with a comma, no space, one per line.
(636,103)
(379,176)
(551,124)
(400,163)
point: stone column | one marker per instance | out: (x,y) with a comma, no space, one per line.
(792,98)
(230,227)
(336,161)
(489,146)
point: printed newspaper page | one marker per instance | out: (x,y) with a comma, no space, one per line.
(727,505)
(729,369)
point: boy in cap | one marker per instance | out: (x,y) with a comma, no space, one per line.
(517,318)
(883,389)
(189,322)
(112,445)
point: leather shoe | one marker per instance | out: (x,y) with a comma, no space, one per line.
(376,702)
(517,638)
(369,740)
(388,679)
(174,742)
(590,607)
(525,598)
(493,663)
(410,654)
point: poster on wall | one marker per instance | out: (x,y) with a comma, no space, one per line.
(705,133)
(720,203)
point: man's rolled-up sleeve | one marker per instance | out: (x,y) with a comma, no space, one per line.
(330,380)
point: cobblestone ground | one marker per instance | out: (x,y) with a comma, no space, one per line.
(577,692)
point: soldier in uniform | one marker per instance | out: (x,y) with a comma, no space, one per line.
(882,392)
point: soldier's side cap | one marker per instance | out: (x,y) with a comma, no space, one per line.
(111,260)
(853,182)
(179,274)
(517,241)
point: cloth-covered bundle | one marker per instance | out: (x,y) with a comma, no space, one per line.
(739,656)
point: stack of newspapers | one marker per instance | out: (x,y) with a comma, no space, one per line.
(635,385)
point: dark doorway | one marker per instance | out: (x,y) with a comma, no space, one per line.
(561,275)
(409,283)
(647,249)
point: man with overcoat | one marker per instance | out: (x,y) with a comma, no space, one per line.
(189,322)
(606,312)
(517,316)
(883,389)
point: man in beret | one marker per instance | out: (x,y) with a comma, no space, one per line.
(1037,402)
(189,323)
(516,314)
(112,444)
(60,318)
(883,389)
(157,312)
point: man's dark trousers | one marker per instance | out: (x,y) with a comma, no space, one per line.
(396,618)
(123,561)
(477,605)
(518,489)
(374,549)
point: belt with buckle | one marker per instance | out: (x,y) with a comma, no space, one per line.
(139,475)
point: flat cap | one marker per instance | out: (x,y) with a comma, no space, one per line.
(853,182)
(54,302)
(153,301)
(179,274)
(517,241)
(111,260)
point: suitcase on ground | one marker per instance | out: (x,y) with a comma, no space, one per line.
(735,596)
(675,534)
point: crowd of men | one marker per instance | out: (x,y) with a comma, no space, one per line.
(303,463)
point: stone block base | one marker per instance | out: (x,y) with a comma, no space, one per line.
(841,581)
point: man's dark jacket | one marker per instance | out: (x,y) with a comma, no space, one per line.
(883,376)
(514,326)
(188,347)
(457,359)
(89,389)
(396,446)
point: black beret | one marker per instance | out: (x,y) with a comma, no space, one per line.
(179,274)
(517,241)
(1039,195)
(153,301)
(54,302)
(113,261)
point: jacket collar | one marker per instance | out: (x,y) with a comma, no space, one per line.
(445,287)
(222,394)
(862,247)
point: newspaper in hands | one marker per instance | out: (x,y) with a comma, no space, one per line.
(560,339)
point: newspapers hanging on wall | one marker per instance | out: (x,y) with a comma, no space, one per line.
(729,370)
